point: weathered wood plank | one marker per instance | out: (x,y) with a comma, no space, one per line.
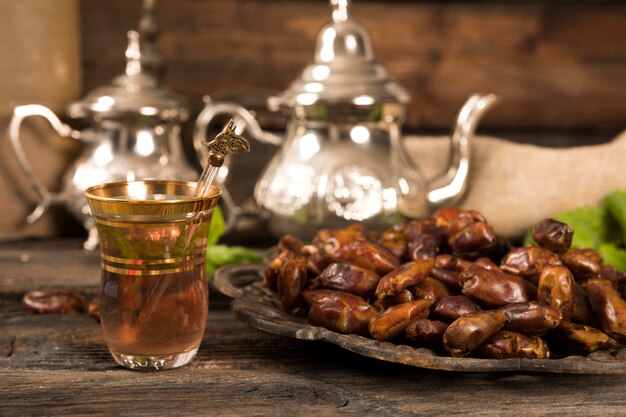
(65,368)
(59,365)
(62,265)
(556,64)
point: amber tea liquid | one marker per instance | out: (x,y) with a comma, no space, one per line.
(137,325)
(153,293)
(153,299)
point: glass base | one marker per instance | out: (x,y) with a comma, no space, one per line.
(154,363)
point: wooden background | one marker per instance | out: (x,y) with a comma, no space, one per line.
(558,65)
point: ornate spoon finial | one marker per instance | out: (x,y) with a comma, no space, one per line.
(226,142)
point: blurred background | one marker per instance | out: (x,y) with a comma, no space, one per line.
(559,67)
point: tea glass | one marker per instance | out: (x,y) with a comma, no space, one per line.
(153,293)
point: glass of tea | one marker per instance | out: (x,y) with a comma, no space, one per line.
(153,293)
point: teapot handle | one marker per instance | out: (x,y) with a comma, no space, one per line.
(20,113)
(246,120)
(214,108)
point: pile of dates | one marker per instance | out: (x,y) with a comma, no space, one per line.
(451,284)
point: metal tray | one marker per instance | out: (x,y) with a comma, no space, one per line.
(255,305)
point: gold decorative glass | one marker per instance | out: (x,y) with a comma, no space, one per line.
(153,294)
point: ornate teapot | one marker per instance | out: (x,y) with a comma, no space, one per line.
(133,132)
(343,159)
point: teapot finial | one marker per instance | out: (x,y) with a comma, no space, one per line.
(133,54)
(151,59)
(340,10)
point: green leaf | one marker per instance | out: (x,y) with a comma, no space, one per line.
(218,227)
(221,255)
(616,206)
(593,226)
(614,256)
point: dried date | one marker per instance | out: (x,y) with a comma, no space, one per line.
(448,309)
(368,255)
(430,289)
(338,311)
(474,241)
(405,296)
(608,307)
(394,320)
(291,282)
(553,235)
(427,333)
(556,289)
(581,312)
(471,330)
(395,242)
(507,344)
(403,277)
(573,338)
(332,241)
(94,309)
(54,302)
(425,239)
(452,219)
(493,289)
(583,263)
(290,243)
(531,317)
(348,278)
(447,277)
(528,261)
(454,263)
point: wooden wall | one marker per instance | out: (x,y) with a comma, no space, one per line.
(557,64)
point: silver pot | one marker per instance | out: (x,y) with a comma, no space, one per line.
(133,133)
(342,159)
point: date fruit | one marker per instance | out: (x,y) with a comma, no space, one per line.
(403,277)
(394,320)
(608,307)
(338,311)
(507,344)
(470,331)
(531,317)
(448,309)
(553,235)
(493,289)
(427,333)
(54,302)
(348,278)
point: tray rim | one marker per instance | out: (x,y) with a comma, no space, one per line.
(266,316)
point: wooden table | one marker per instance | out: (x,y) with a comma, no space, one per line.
(59,365)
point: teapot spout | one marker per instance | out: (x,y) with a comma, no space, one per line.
(450,187)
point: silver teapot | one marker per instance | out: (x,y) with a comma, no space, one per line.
(133,133)
(342,159)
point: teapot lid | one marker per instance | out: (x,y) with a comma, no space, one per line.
(344,69)
(137,91)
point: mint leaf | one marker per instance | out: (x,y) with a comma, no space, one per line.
(218,227)
(614,256)
(221,255)
(616,206)
(592,226)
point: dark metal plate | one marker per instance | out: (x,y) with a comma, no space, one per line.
(256,306)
